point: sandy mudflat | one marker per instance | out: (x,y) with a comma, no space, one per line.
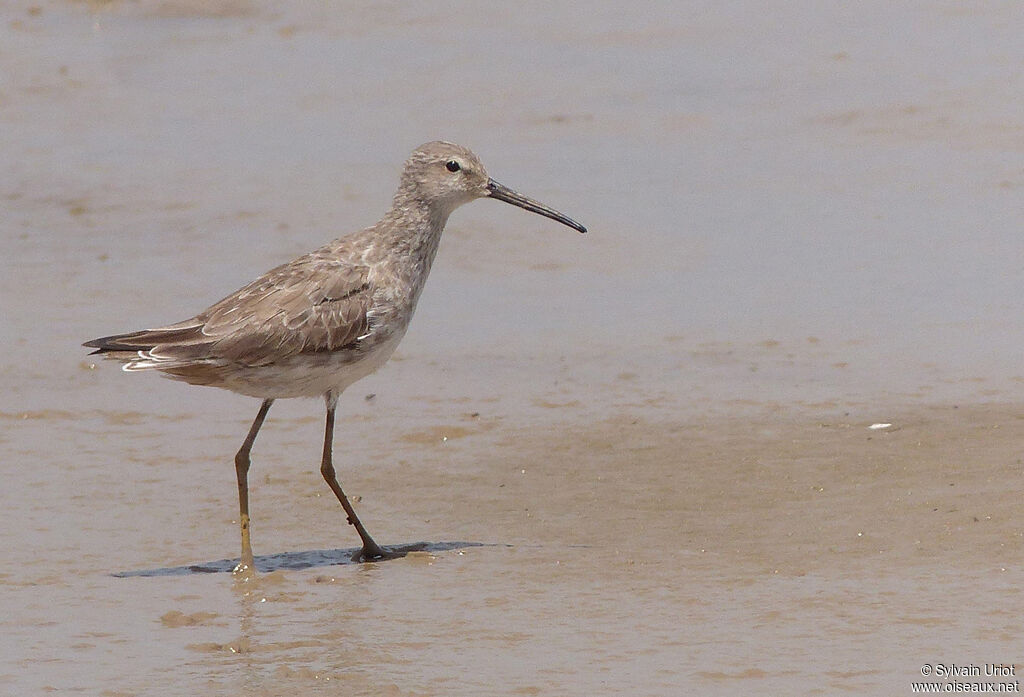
(774,553)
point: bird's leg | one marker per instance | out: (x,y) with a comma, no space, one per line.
(371,551)
(245,563)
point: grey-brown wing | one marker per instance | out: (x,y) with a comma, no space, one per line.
(311,305)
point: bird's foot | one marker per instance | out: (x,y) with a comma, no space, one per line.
(375,552)
(246,567)
(244,570)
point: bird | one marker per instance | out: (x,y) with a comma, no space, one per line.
(315,325)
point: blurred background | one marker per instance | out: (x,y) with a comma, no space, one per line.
(787,186)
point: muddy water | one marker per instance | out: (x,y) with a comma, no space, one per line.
(641,460)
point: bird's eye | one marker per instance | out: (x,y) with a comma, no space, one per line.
(452,166)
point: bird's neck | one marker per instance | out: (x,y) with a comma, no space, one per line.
(412,228)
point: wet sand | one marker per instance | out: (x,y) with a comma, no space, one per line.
(641,460)
(771,553)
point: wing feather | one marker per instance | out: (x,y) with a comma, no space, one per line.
(313,304)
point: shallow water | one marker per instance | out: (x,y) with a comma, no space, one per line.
(638,458)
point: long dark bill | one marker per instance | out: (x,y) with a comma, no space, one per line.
(503,193)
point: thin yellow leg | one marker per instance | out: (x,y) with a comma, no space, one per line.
(245,562)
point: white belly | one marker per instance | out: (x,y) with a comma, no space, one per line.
(310,375)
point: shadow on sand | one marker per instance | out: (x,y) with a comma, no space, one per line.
(301,560)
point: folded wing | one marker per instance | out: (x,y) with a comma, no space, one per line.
(310,305)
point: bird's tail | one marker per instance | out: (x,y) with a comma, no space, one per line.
(136,349)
